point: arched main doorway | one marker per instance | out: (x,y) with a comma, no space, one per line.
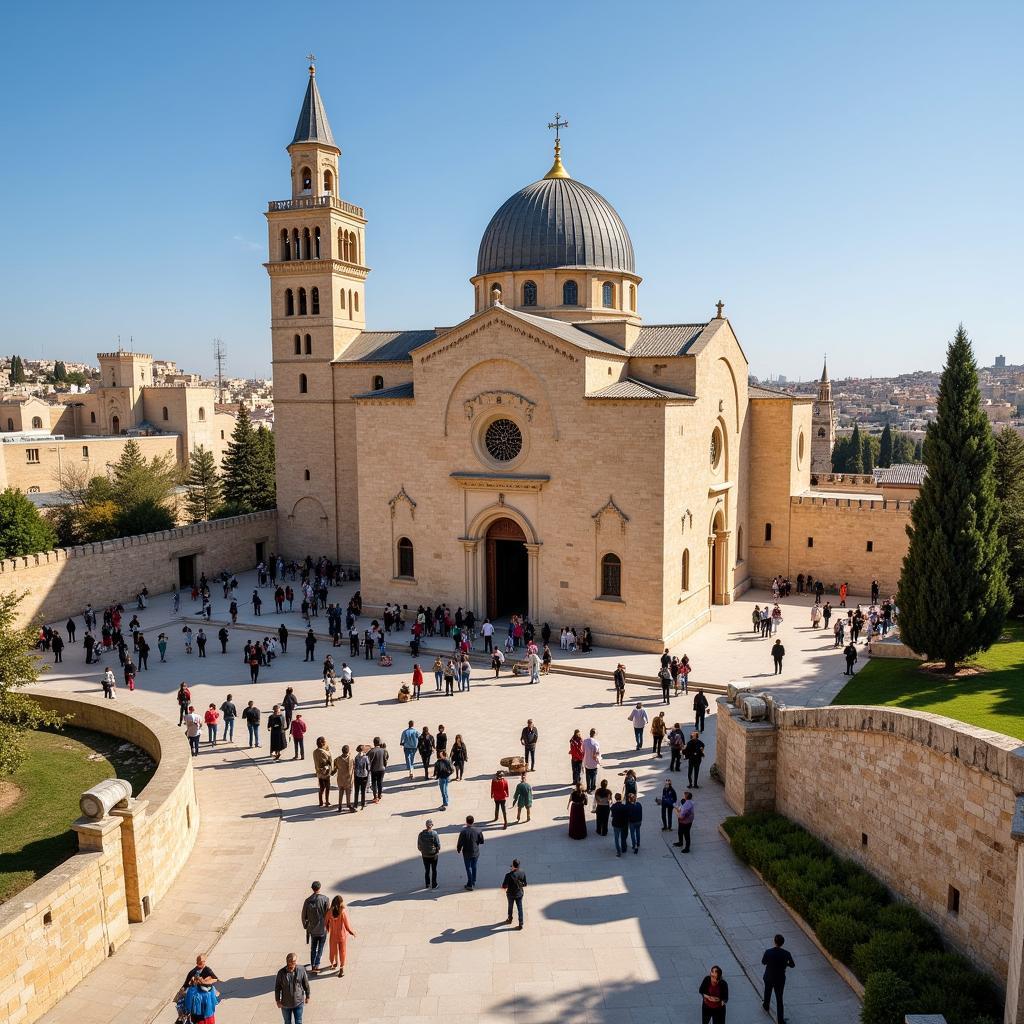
(115,424)
(718,550)
(508,575)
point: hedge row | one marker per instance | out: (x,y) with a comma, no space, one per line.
(895,952)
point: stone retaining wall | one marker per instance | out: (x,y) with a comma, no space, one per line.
(53,933)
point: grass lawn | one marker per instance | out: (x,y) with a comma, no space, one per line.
(35,833)
(992,699)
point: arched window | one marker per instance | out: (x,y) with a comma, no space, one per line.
(821,431)
(378,383)
(328,183)
(355,301)
(608,295)
(37,423)
(684,582)
(298,345)
(306,475)
(303,384)
(739,544)
(570,294)
(611,576)
(296,251)
(309,345)
(316,243)
(289,302)
(314,300)
(632,297)
(341,299)
(306,177)
(92,419)
(115,424)
(286,247)
(767,533)
(202,415)
(166,415)
(354,247)
(306,252)
(406,564)
(530,294)
(302,302)
(343,245)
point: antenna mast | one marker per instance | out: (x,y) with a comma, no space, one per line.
(219,355)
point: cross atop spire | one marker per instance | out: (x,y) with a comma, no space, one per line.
(313,125)
(558,168)
(824,371)
(311,57)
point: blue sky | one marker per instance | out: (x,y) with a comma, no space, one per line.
(846,176)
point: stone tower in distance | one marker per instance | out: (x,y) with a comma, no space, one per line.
(823,427)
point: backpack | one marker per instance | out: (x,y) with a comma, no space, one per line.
(443,768)
(427,844)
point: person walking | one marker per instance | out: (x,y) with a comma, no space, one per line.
(254,664)
(665,678)
(514,883)
(619,677)
(577,807)
(442,772)
(342,768)
(459,756)
(714,993)
(222,636)
(310,645)
(591,759)
(522,798)
(230,713)
(684,816)
(468,844)
(212,717)
(528,738)
(700,709)
(378,766)
(778,653)
(659,727)
(360,776)
(620,824)
(639,717)
(576,756)
(426,745)
(694,754)
(298,733)
(667,800)
(291,990)
(676,742)
(499,794)
(428,842)
(634,817)
(410,741)
(346,681)
(193,729)
(314,914)
(251,715)
(776,960)
(275,728)
(850,650)
(338,931)
(323,764)
(289,702)
(417,681)
(449,678)
(602,807)
(108,682)
(201,642)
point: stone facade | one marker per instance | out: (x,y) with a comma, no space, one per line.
(53,933)
(924,803)
(62,582)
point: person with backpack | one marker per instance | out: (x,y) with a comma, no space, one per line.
(700,709)
(426,745)
(442,772)
(428,842)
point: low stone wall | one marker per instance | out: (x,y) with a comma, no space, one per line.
(62,582)
(57,930)
(925,803)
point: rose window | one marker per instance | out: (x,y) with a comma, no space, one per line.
(503,440)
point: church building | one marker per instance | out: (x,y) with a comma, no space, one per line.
(550,454)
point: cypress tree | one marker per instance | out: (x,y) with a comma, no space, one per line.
(265,496)
(919,451)
(867,455)
(1009,471)
(953,594)
(885,448)
(203,485)
(855,460)
(902,448)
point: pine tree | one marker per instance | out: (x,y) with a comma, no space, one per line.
(239,467)
(204,488)
(855,460)
(141,490)
(23,531)
(1009,472)
(885,448)
(953,593)
(266,475)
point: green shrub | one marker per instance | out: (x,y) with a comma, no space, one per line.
(881,952)
(887,999)
(954,986)
(857,907)
(798,891)
(859,883)
(901,917)
(839,933)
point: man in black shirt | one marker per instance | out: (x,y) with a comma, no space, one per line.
(528,738)
(514,883)
(775,961)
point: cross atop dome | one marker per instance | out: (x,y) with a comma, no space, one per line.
(558,168)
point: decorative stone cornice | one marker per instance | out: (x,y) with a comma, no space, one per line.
(500,482)
(506,399)
(610,506)
(293,268)
(515,328)
(402,496)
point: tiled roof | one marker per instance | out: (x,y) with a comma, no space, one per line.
(567,332)
(756,391)
(666,339)
(313,125)
(385,346)
(630,388)
(902,473)
(398,391)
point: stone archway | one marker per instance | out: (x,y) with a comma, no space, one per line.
(718,560)
(507,567)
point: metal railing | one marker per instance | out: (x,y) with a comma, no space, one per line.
(316,202)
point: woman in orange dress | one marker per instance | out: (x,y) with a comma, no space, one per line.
(338,929)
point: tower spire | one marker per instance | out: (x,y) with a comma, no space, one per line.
(313,125)
(558,168)
(824,371)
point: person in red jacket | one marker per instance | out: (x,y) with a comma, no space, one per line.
(417,680)
(499,794)
(576,755)
(298,731)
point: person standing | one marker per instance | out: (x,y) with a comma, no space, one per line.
(577,807)
(109,682)
(639,717)
(714,993)
(522,798)
(528,738)
(342,767)
(700,709)
(694,754)
(428,842)
(276,727)
(314,915)
(459,756)
(410,741)
(230,713)
(850,650)
(222,636)
(193,729)
(289,702)
(298,734)
(499,794)
(338,930)
(602,807)
(487,632)
(442,772)
(659,728)
(667,800)
(469,842)
(676,742)
(620,824)
(323,763)
(361,776)
(201,642)
(576,755)
(684,815)
(426,745)
(619,678)
(417,680)
(775,961)
(514,883)
(778,653)
(291,990)
(378,766)
(591,759)
(665,678)
(346,680)
(251,715)
(634,817)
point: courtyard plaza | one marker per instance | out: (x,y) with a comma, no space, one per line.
(606,938)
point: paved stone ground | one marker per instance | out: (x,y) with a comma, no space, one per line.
(607,939)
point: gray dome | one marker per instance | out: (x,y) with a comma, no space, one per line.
(555,222)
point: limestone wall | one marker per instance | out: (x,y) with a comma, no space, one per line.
(57,930)
(923,802)
(62,582)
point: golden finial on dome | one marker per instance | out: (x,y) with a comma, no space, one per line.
(558,168)
(311,57)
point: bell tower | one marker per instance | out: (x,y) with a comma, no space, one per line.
(823,427)
(317,269)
